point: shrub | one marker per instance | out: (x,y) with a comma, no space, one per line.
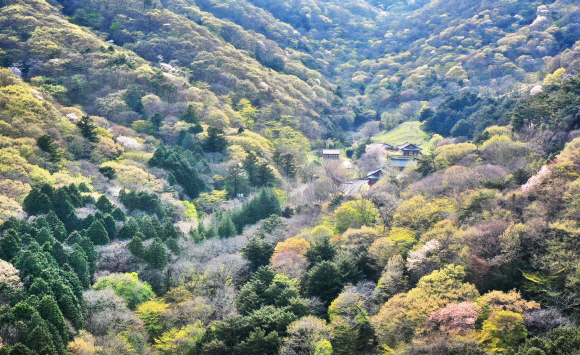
(126,286)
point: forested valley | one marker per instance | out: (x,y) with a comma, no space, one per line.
(292,177)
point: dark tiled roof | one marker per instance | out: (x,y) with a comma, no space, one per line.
(409,146)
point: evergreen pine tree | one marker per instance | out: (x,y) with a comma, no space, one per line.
(83,187)
(189,142)
(215,141)
(9,245)
(194,235)
(59,254)
(104,205)
(78,261)
(91,252)
(110,226)
(250,164)
(71,310)
(88,129)
(201,229)
(236,181)
(44,235)
(147,226)
(50,312)
(264,175)
(39,287)
(136,247)
(157,120)
(170,231)
(57,227)
(190,115)
(321,250)
(74,195)
(62,204)
(48,190)
(157,226)
(97,233)
(37,202)
(74,237)
(227,228)
(128,230)
(258,251)
(70,285)
(173,245)
(108,172)
(119,215)
(157,255)
(18,349)
(210,232)
(324,281)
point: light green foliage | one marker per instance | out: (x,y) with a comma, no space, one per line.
(128,286)
(308,335)
(420,214)
(449,155)
(351,324)
(355,214)
(190,211)
(402,316)
(180,340)
(149,312)
(503,329)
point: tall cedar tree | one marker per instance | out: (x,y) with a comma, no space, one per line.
(104,204)
(37,202)
(136,247)
(258,251)
(184,171)
(287,163)
(88,129)
(215,141)
(190,115)
(157,255)
(98,233)
(236,181)
(46,144)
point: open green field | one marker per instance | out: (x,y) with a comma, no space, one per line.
(405,132)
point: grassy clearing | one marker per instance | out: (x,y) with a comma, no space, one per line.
(406,132)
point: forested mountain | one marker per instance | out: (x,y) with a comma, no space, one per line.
(163,188)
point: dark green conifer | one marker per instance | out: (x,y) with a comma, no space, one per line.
(59,254)
(157,255)
(39,287)
(44,235)
(173,245)
(136,247)
(78,261)
(37,202)
(104,205)
(9,245)
(71,310)
(50,312)
(227,228)
(170,231)
(74,237)
(148,228)
(258,251)
(91,252)
(110,226)
(190,115)
(97,233)
(88,129)
(119,215)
